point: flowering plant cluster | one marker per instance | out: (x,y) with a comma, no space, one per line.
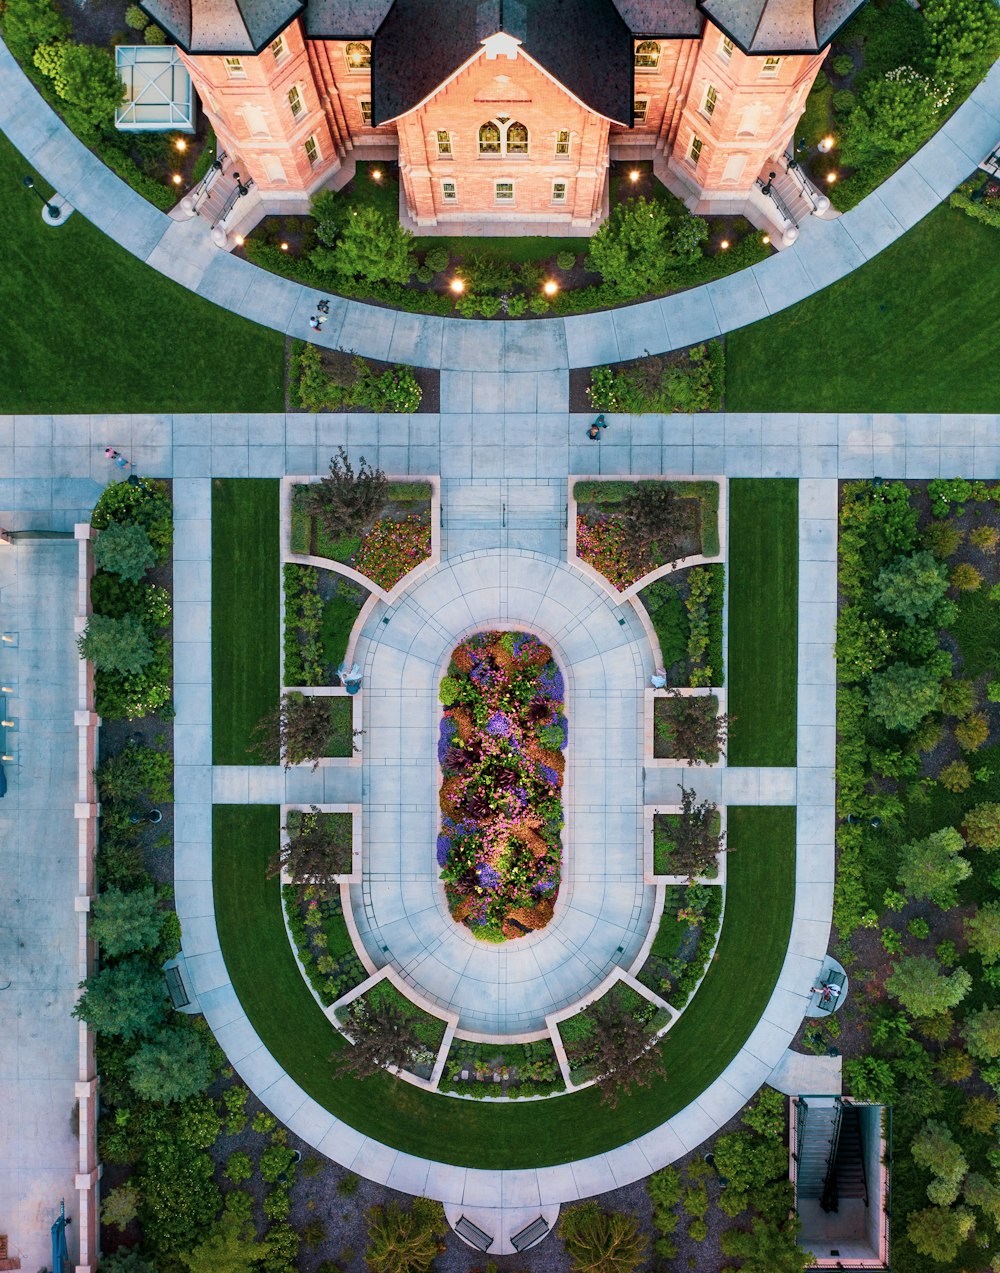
(601,543)
(391,549)
(501,755)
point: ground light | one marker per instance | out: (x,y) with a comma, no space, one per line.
(826,144)
(550,287)
(376,174)
(766,239)
(284,247)
(724,245)
(181,144)
(634,175)
(831,177)
(457,286)
(176,178)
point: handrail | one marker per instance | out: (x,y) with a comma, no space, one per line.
(201,190)
(828,1199)
(800,1129)
(777,200)
(238,191)
(794,170)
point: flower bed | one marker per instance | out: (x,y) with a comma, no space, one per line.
(324,945)
(664,828)
(692,718)
(685,610)
(684,380)
(684,942)
(576,1030)
(500,751)
(428,1029)
(510,1070)
(320,610)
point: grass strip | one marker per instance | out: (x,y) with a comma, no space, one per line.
(739,982)
(245,607)
(763,620)
(936,338)
(91,328)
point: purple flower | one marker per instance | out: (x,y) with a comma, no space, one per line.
(550,681)
(443,849)
(498,725)
(448,731)
(548,775)
(487,875)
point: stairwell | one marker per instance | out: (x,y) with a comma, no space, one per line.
(848,1176)
(819,1122)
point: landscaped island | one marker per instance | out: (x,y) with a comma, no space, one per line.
(500,752)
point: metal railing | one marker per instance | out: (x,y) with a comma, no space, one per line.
(200,192)
(794,170)
(828,1198)
(768,190)
(238,191)
(992,162)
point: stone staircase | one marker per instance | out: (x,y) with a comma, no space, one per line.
(848,1177)
(819,1125)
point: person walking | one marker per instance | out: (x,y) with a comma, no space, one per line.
(314,322)
(117,456)
(594,433)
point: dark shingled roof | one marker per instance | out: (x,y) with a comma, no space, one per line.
(422,42)
(663,19)
(223,26)
(345,19)
(780,26)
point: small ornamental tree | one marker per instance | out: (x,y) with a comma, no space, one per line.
(982,827)
(345,501)
(404,1241)
(655,519)
(371,247)
(939,1231)
(116,645)
(901,696)
(923,989)
(694,837)
(981,1033)
(934,867)
(129,999)
(599,1241)
(124,549)
(172,1066)
(120,1206)
(895,115)
(964,39)
(123,922)
(767,1248)
(631,246)
(910,587)
(935,1148)
(624,1055)
(382,1037)
(229,1247)
(296,732)
(318,848)
(981,1114)
(695,731)
(982,929)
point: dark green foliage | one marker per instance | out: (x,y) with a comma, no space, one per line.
(145,502)
(116,645)
(345,500)
(29,23)
(122,923)
(694,381)
(172,1066)
(128,999)
(670,621)
(640,242)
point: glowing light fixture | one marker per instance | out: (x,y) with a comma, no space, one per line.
(457,286)
(634,175)
(550,287)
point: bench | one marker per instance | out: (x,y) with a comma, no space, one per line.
(837,980)
(473,1234)
(530,1234)
(175,987)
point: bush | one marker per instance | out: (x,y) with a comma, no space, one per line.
(923,989)
(964,39)
(154,35)
(844,101)
(598,1241)
(122,922)
(116,645)
(120,1207)
(128,999)
(566,260)
(933,867)
(437,259)
(842,64)
(895,115)
(981,1033)
(944,538)
(86,79)
(29,23)
(135,19)
(966,578)
(424,274)
(404,1241)
(639,243)
(956,777)
(124,550)
(910,587)
(145,502)
(985,538)
(901,696)
(370,247)
(982,826)
(172,1066)
(971,733)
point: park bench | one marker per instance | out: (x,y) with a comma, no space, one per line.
(472,1233)
(837,980)
(530,1234)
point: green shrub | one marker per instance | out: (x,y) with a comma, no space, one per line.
(124,922)
(154,35)
(29,23)
(844,101)
(424,274)
(146,502)
(566,260)
(135,19)
(972,732)
(901,695)
(116,645)
(842,64)
(437,259)
(172,1066)
(124,550)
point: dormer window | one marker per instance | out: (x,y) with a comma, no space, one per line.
(647,55)
(769,70)
(234,68)
(726,47)
(359,56)
(503,136)
(279,48)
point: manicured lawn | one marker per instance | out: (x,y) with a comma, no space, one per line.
(763,620)
(245,627)
(916,329)
(522,1134)
(87,327)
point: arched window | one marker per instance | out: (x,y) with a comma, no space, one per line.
(647,55)
(503,137)
(359,56)
(489,139)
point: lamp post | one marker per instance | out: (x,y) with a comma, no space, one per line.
(50,208)
(770,181)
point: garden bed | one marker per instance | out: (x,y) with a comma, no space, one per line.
(510,1070)
(322,379)
(576,1030)
(665,826)
(500,751)
(341,740)
(321,608)
(692,716)
(610,516)
(386,547)
(322,941)
(684,942)
(688,380)
(685,609)
(430,1030)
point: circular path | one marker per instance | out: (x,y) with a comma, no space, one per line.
(604,910)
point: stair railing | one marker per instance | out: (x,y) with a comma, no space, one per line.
(800,1128)
(239,190)
(809,191)
(201,190)
(829,1200)
(768,190)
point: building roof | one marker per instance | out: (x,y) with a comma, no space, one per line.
(780,26)
(158,91)
(561,35)
(223,26)
(662,19)
(345,19)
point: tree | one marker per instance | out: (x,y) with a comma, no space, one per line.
(172,1066)
(695,838)
(901,696)
(345,501)
(984,1193)
(116,645)
(923,989)
(29,23)
(599,1241)
(87,80)
(910,587)
(871,1079)
(964,38)
(124,549)
(982,827)
(123,922)
(126,1260)
(319,847)
(622,1052)
(693,726)
(895,115)
(981,1033)
(767,1248)
(230,1247)
(934,867)
(370,246)
(935,1148)
(753,1165)
(297,731)
(939,1231)
(982,929)
(382,1036)
(656,519)
(631,248)
(128,999)
(404,1241)
(121,1206)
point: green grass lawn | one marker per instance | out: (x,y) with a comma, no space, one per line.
(87,327)
(761,875)
(916,329)
(245,627)
(763,620)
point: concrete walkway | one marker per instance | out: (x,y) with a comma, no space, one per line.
(182,250)
(39,926)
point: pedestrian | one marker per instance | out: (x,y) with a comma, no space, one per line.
(594,433)
(659,679)
(600,423)
(324,306)
(117,456)
(314,322)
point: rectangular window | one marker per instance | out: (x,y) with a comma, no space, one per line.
(562,142)
(503,191)
(770,68)
(640,108)
(312,151)
(726,48)
(279,48)
(449,192)
(559,192)
(295,101)
(694,153)
(711,100)
(366,110)
(443,143)
(234,68)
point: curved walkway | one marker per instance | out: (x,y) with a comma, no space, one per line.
(604,909)
(182,250)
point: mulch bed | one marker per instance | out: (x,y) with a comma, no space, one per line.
(336,361)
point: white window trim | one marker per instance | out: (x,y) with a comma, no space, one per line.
(503,152)
(358,70)
(770,68)
(365,123)
(659,54)
(297,88)
(695,159)
(565,196)
(726,48)
(563,154)
(281,52)
(235,70)
(450,152)
(313,163)
(504,181)
(449,198)
(644,117)
(709,110)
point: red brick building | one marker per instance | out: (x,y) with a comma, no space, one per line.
(505,111)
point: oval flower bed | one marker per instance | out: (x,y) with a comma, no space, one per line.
(500,752)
